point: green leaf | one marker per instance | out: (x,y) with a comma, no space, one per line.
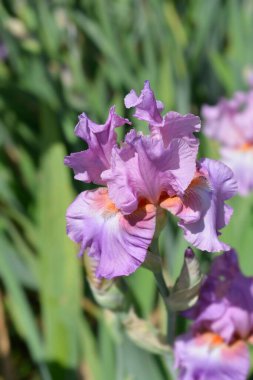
(89,350)
(20,310)
(238,233)
(94,31)
(24,273)
(60,278)
(143,287)
(48,31)
(106,352)
(223,71)
(134,363)
(36,81)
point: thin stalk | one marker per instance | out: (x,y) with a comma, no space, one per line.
(165,293)
(171,325)
(163,289)
(171,317)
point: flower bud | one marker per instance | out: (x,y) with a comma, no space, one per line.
(184,294)
(106,292)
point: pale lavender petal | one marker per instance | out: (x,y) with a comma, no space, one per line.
(172,125)
(144,169)
(101,138)
(230,121)
(207,357)
(244,117)
(204,233)
(176,125)
(219,124)
(118,242)
(146,106)
(86,167)
(241,163)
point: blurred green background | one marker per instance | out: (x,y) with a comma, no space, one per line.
(59,58)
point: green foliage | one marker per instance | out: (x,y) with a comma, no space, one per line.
(66,57)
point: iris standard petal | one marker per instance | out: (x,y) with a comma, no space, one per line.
(101,138)
(144,169)
(146,106)
(176,125)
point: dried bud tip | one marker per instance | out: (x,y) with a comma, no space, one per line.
(189,254)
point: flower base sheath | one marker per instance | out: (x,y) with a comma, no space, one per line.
(141,179)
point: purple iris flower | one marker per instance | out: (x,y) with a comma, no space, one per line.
(141,179)
(216,346)
(207,357)
(230,122)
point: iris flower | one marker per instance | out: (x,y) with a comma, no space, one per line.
(216,346)
(230,122)
(141,179)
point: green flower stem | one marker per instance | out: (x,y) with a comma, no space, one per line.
(171,326)
(171,316)
(163,289)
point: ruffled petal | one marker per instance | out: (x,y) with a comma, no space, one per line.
(101,138)
(176,125)
(219,124)
(241,163)
(205,231)
(118,242)
(172,125)
(85,166)
(236,297)
(147,108)
(243,118)
(194,203)
(143,168)
(207,357)
(225,265)
(230,121)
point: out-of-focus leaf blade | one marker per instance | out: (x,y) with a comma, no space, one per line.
(239,234)
(134,363)
(60,279)
(20,310)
